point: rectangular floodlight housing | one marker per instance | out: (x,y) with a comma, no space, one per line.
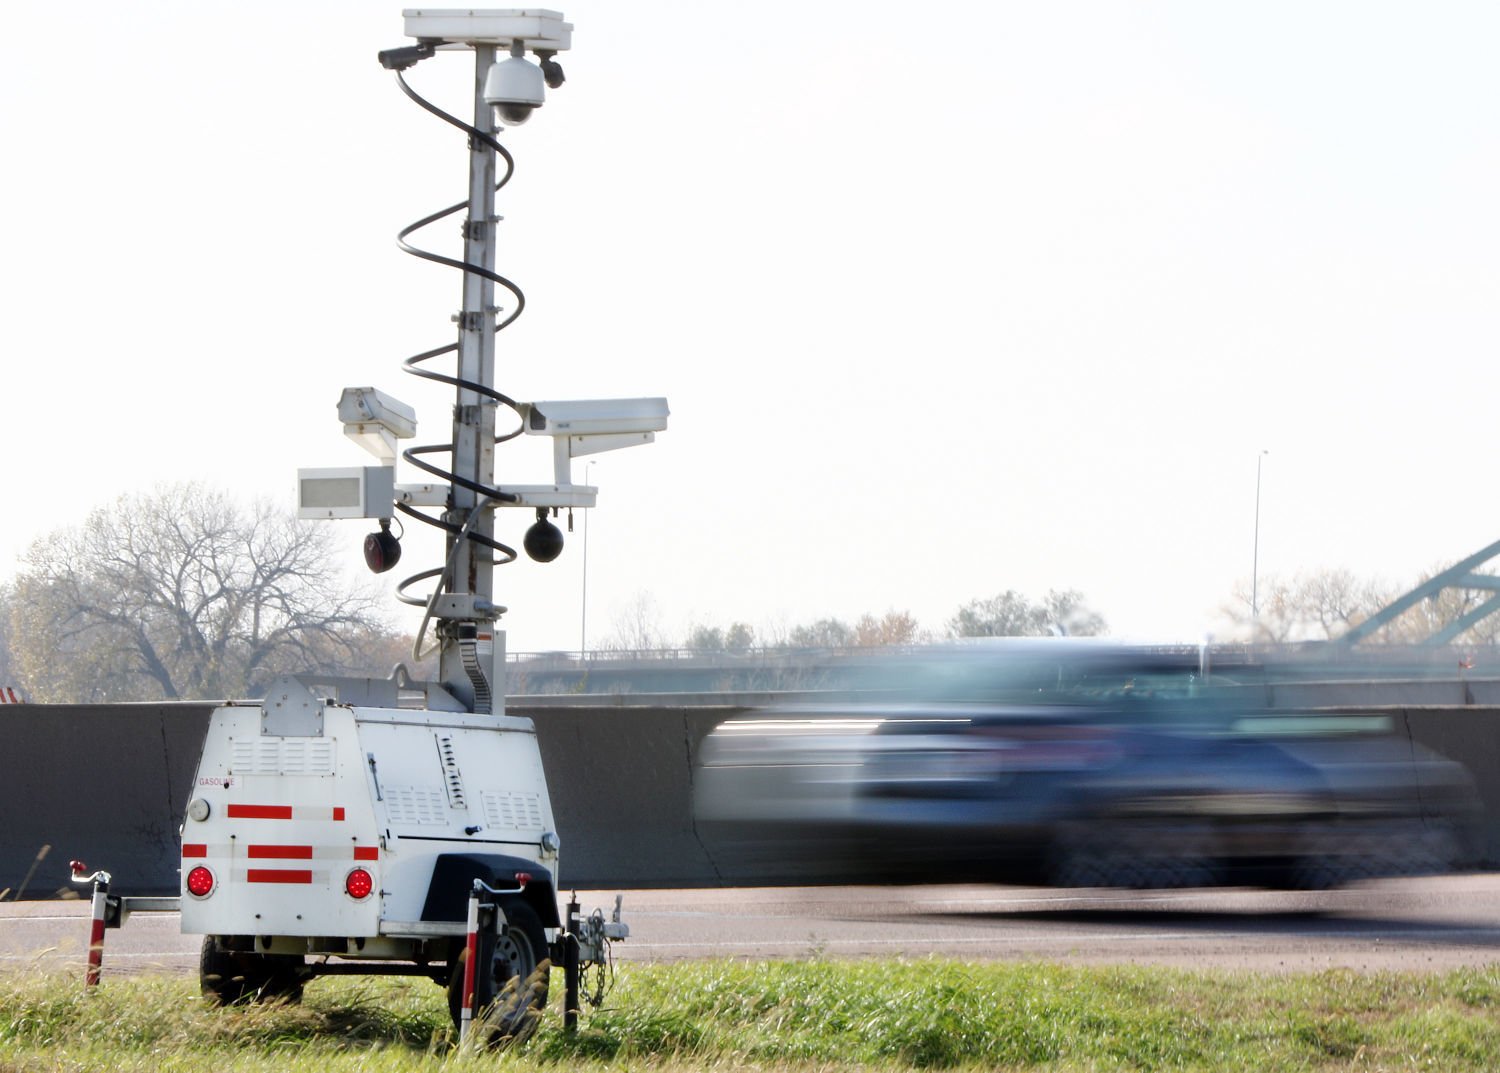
(536,28)
(348,492)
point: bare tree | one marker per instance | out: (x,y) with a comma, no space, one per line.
(182,593)
(637,626)
(892,628)
(1312,605)
(1335,601)
(7,663)
(1267,615)
(1441,610)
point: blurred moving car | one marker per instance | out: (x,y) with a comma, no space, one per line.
(1078,765)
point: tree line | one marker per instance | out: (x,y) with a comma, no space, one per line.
(1008,614)
(1323,605)
(184,593)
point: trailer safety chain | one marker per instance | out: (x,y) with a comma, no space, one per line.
(604,971)
(604,981)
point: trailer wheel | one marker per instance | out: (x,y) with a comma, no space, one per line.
(230,976)
(510,982)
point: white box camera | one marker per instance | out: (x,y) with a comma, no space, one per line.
(376,421)
(595,417)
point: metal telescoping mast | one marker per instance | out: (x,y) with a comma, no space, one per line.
(463,500)
(467,613)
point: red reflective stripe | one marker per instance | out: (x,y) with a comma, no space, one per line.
(278,875)
(260,812)
(282,853)
(194,849)
(367,853)
(96,953)
(471,956)
(284,812)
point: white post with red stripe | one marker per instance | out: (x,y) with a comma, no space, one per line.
(96,935)
(471,955)
(469,1011)
(100,906)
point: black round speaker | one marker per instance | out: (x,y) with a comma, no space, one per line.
(544,541)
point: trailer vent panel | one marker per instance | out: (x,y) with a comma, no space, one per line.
(282,756)
(513,810)
(416,805)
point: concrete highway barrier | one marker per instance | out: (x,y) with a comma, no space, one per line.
(109,783)
(106,784)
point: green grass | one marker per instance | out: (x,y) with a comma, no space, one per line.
(792,1016)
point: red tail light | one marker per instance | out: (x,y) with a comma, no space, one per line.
(358,884)
(200,882)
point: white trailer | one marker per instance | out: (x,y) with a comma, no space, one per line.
(325,837)
(397,826)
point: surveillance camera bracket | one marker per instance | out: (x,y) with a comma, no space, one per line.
(562,494)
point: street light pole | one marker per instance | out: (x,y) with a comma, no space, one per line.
(1255,556)
(583,612)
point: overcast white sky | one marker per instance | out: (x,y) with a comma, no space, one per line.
(946,300)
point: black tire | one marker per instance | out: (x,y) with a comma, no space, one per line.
(230,976)
(511,981)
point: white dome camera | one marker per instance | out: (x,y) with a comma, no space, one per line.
(515,87)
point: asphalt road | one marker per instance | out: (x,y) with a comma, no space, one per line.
(1397,924)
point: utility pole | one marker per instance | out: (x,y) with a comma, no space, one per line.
(1255,555)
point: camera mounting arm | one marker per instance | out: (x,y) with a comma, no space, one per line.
(578,427)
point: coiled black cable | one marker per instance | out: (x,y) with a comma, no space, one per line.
(488,494)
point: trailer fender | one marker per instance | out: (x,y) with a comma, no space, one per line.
(453,877)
